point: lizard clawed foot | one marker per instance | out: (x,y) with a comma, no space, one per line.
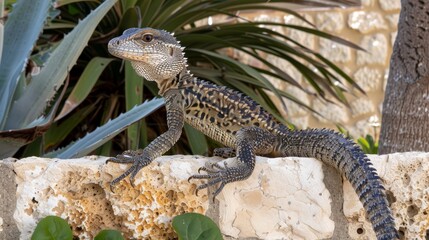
(217,174)
(138,162)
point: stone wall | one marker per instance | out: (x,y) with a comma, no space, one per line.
(373,27)
(285,198)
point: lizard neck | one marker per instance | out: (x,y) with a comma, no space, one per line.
(174,83)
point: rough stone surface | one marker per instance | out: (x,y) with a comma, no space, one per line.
(376,47)
(330,21)
(78,190)
(389,5)
(330,112)
(308,40)
(393,20)
(366,22)
(361,106)
(334,51)
(369,79)
(285,198)
(407,184)
(300,210)
(8,227)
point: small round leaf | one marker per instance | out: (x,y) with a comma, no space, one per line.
(195,226)
(52,228)
(109,235)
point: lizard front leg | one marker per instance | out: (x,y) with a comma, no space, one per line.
(249,142)
(161,144)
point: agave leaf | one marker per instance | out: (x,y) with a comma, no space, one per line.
(1,27)
(59,3)
(197,140)
(12,140)
(17,47)
(44,85)
(84,85)
(106,132)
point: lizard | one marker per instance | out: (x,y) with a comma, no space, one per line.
(238,122)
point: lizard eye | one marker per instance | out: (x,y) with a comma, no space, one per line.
(147,37)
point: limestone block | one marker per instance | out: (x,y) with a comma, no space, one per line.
(369,79)
(361,129)
(334,51)
(367,3)
(376,50)
(284,198)
(393,20)
(270,18)
(362,106)
(330,21)
(331,112)
(300,210)
(393,38)
(407,186)
(366,21)
(287,67)
(305,39)
(78,190)
(389,5)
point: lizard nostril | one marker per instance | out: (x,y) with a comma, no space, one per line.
(171,51)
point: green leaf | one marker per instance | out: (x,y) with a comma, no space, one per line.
(109,235)
(195,226)
(52,228)
(44,85)
(197,140)
(17,47)
(84,85)
(133,97)
(106,132)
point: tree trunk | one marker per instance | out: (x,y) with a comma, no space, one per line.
(405,121)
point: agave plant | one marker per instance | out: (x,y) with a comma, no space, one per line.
(98,83)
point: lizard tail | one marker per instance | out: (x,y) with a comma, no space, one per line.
(333,149)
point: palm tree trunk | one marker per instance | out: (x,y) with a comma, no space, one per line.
(405,123)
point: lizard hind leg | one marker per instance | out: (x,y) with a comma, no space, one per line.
(250,141)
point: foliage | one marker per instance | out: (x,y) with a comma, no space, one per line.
(367,143)
(52,228)
(188,226)
(195,226)
(98,84)
(56,228)
(109,235)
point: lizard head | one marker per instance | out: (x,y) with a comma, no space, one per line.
(154,54)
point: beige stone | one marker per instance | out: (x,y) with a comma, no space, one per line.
(393,38)
(330,112)
(407,183)
(393,20)
(330,21)
(288,214)
(389,5)
(334,51)
(369,79)
(285,198)
(376,50)
(78,190)
(308,40)
(361,106)
(366,21)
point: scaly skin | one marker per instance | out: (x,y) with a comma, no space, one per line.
(239,123)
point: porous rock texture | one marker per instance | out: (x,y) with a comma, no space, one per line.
(285,198)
